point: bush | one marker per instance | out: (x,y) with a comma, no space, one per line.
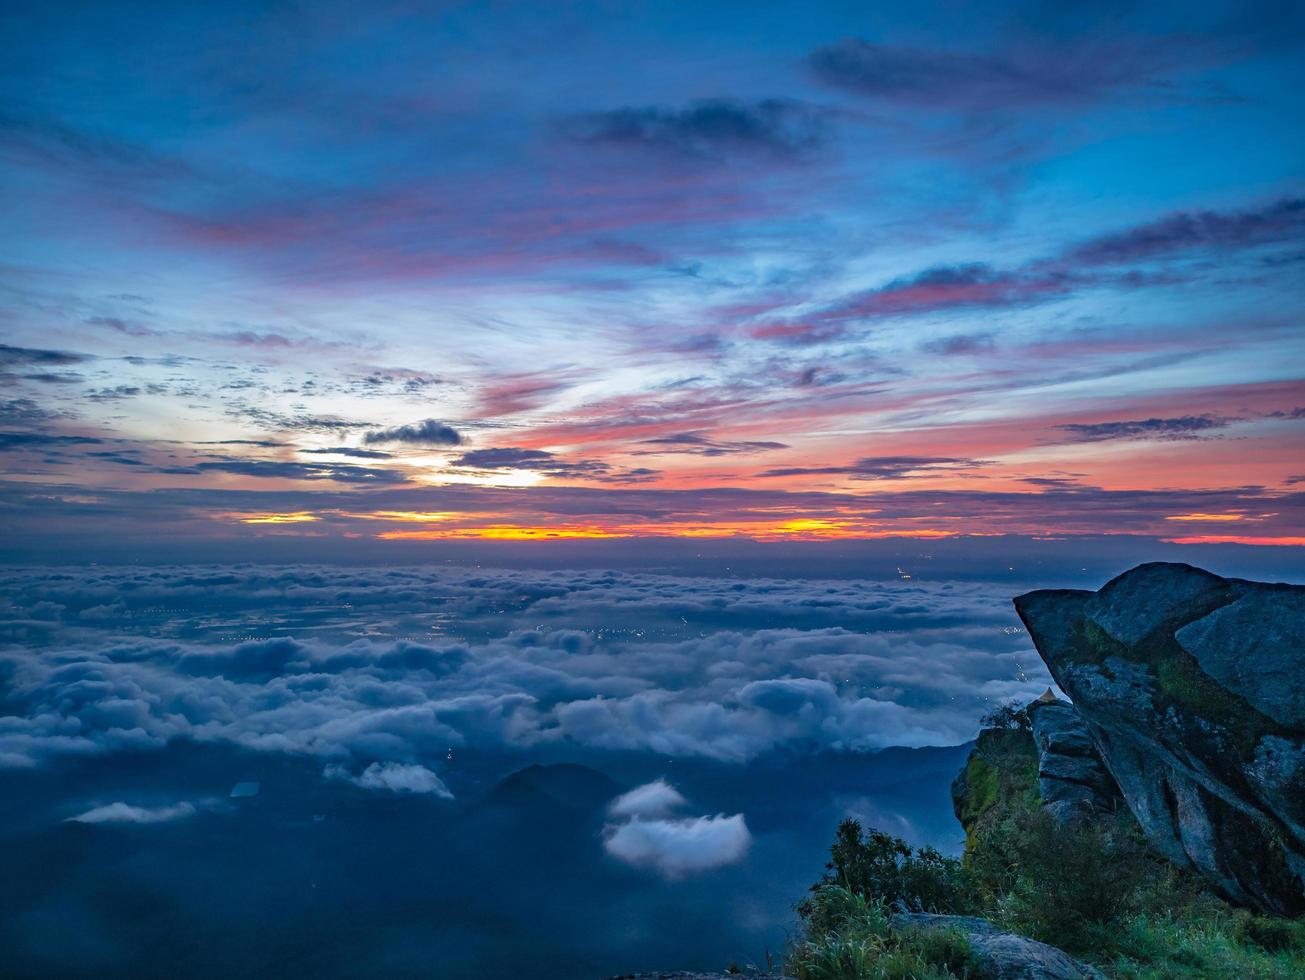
(1008,717)
(884,868)
(1094,890)
(851,937)
(1053,883)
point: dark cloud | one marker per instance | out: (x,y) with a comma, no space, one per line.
(349,451)
(961,80)
(548,464)
(10,441)
(23,411)
(46,377)
(1280,222)
(426,433)
(121,457)
(883,467)
(707,128)
(262,443)
(287,470)
(698,444)
(962,344)
(1183,427)
(33,357)
(114,394)
(301,422)
(507,456)
(956,287)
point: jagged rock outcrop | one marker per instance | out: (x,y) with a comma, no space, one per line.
(1050,759)
(1192,687)
(1072,780)
(1004,955)
(1002,765)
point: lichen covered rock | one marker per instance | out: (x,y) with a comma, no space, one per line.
(1193,689)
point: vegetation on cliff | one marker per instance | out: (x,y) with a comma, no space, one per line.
(1094,889)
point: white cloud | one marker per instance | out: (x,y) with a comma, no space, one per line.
(655,799)
(396,777)
(125,813)
(676,848)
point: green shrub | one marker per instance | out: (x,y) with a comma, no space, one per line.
(851,937)
(1052,883)
(1008,717)
(884,868)
(1095,890)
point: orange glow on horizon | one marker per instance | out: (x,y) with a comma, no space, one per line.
(300,517)
(1206,517)
(808,529)
(402,516)
(503,532)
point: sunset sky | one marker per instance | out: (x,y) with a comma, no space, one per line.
(401,272)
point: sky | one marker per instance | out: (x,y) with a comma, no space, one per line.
(396,274)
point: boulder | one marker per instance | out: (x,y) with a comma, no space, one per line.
(1004,955)
(1072,779)
(1192,688)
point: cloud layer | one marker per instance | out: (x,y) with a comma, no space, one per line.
(115,660)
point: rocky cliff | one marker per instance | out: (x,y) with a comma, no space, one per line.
(1192,688)
(1072,778)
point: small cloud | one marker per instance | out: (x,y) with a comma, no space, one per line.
(348,451)
(698,444)
(1181,428)
(961,345)
(676,848)
(655,799)
(395,777)
(708,128)
(278,469)
(425,433)
(884,468)
(643,833)
(126,813)
(33,356)
(1279,222)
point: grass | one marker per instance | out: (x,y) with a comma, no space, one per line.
(859,942)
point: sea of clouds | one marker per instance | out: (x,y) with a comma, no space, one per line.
(378,672)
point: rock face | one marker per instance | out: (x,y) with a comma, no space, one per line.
(1003,955)
(1192,687)
(1072,780)
(1002,765)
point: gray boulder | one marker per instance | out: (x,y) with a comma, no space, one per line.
(1004,955)
(1072,780)
(1192,688)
